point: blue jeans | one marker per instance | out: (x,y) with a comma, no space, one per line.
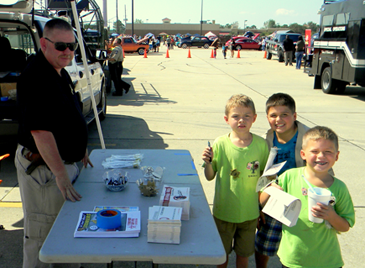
(298,57)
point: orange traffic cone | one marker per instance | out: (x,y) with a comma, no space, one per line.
(167,53)
(145,53)
(123,53)
(265,54)
(238,54)
(212,55)
(189,54)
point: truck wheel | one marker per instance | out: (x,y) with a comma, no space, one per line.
(140,51)
(102,105)
(268,55)
(206,46)
(281,55)
(341,87)
(184,46)
(327,84)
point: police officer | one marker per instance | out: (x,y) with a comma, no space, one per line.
(52,137)
(116,68)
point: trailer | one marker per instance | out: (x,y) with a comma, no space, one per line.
(339,52)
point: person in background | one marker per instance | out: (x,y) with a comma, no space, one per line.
(232,47)
(288,50)
(116,68)
(299,51)
(52,137)
(237,161)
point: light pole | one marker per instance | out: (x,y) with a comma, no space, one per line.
(132,17)
(244,26)
(201,19)
(116,3)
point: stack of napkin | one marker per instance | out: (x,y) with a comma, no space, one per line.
(164,224)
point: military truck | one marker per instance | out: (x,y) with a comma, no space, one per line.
(339,51)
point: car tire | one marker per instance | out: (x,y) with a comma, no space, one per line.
(102,105)
(281,55)
(140,51)
(206,46)
(184,46)
(238,47)
(330,85)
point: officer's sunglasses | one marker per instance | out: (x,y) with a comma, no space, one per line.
(61,46)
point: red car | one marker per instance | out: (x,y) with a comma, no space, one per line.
(244,43)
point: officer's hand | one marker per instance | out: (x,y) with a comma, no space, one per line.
(67,190)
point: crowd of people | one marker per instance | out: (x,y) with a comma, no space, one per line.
(236,161)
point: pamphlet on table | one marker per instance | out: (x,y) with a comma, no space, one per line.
(87,225)
(176,197)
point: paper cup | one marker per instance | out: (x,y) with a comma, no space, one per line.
(321,195)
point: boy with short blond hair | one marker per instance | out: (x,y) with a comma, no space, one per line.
(309,244)
(286,134)
(237,160)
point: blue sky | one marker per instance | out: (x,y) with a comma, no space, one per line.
(256,12)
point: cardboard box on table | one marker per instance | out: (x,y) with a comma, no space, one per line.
(176,197)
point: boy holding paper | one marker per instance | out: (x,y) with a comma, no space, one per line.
(286,134)
(309,244)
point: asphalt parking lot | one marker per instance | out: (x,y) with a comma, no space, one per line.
(178,103)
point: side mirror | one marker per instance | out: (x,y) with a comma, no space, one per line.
(101,54)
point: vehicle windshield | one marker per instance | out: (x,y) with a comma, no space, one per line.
(292,37)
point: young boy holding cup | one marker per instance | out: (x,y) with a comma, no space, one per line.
(309,244)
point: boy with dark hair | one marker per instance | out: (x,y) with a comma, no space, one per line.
(237,161)
(286,134)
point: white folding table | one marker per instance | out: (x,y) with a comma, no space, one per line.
(200,242)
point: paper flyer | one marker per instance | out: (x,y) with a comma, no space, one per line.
(270,169)
(282,206)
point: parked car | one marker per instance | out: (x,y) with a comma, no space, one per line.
(244,43)
(21,33)
(276,47)
(196,41)
(130,45)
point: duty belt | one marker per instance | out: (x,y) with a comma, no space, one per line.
(37,160)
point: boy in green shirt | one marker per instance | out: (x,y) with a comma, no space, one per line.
(236,160)
(308,244)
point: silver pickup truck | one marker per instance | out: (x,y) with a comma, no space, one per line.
(20,33)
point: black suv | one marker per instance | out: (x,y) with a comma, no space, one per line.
(275,46)
(196,41)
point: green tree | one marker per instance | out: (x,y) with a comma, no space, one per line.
(138,21)
(295,27)
(270,24)
(313,26)
(118,27)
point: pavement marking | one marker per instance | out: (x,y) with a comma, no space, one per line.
(10,204)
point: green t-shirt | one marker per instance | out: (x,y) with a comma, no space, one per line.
(309,244)
(237,171)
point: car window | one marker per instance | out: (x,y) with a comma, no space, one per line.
(127,40)
(78,55)
(21,41)
(205,39)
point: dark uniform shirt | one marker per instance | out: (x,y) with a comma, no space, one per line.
(46,101)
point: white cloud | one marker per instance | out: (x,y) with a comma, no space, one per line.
(285,12)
